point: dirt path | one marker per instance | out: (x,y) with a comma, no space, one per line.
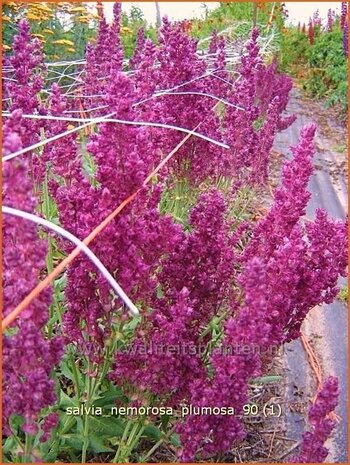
(326,326)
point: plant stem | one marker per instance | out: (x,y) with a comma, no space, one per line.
(66,427)
(126,446)
(121,444)
(46,212)
(75,375)
(209,328)
(156,445)
(154,448)
(15,437)
(86,417)
(27,447)
(134,436)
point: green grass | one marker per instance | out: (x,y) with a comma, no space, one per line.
(343,294)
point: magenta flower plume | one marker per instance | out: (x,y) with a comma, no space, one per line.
(28,357)
(344,14)
(28,67)
(140,43)
(233,365)
(133,243)
(311,32)
(61,155)
(263,94)
(205,257)
(100,62)
(213,44)
(27,57)
(161,360)
(316,18)
(346,39)
(330,20)
(290,199)
(312,449)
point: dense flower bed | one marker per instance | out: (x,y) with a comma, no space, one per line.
(207,278)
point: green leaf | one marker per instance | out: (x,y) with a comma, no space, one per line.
(66,401)
(105,426)
(165,421)
(16,421)
(98,444)
(50,450)
(74,441)
(65,370)
(108,398)
(175,440)
(152,432)
(9,445)
(131,325)
(266,379)
(114,440)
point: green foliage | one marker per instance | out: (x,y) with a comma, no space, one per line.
(343,294)
(294,45)
(329,66)
(322,67)
(242,11)
(63,29)
(234,15)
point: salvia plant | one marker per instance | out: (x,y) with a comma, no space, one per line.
(346,39)
(205,278)
(344,14)
(311,32)
(330,20)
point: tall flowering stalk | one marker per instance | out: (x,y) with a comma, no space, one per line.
(288,269)
(213,44)
(61,158)
(100,61)
(28,357)
(263,95)
(290,199)
(27,62)
(149,367)
(146,76)
(316,20)
(213,434)
(140,43)
(344,14)
(346,39)
(282,280)
(179,65)
(196,283)
(23,90)
(281,234)
(330,20)
(312,447)
(131,244)
(238,124)
(311,32)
